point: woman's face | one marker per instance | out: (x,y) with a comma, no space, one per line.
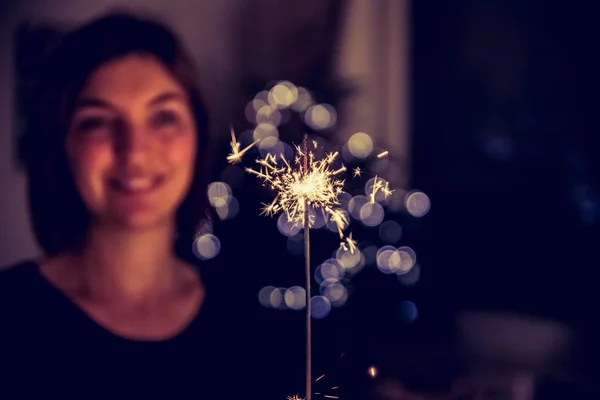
(131,143)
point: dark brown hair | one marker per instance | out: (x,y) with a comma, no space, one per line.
(59,216)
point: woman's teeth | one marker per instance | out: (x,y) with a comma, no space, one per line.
(138,184)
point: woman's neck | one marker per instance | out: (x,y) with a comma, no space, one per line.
(128,266)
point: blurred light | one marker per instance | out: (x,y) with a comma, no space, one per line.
(372,372)
(268,114)
(219,194)
(335,292)
(346,258)
(417,204)
(320,306)
(295,244)
(276,298)
(295,298)
(283,94)
(408,259)
(330,270)
(412,277)
(320,116)
(207,246)
(252,108)
(229,210)
(303,101)
(287,227)
(371,214)
(389,261)
(360,145)
(355,204)
(271,145)
(408,311)
(390,232)
(265,130)
(263,96)
(233,176)
(264,296)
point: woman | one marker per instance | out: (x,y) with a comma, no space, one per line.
(117,161)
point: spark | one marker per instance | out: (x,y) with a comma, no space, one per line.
(378,185)
(296,397)
(381,155)
(357,172)
(236,154)
(348,244)
(300,185)
(319,378)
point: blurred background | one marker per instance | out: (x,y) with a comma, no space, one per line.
(485,109)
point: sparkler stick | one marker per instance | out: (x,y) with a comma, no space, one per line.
(307,276)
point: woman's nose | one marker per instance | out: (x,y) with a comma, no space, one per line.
(132,142)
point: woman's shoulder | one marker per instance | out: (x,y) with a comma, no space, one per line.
(16,282)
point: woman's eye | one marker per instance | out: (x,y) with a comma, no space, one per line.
(164,119)
(91,124)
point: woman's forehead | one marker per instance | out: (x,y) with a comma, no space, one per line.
(131,78)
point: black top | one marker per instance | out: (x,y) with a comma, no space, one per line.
(50,347)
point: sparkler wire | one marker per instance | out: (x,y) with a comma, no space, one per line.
(307,276)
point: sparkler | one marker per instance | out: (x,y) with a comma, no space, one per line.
(311,184)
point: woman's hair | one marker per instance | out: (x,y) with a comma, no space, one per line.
(59,216)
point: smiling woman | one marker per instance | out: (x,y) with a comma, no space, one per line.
(116,156)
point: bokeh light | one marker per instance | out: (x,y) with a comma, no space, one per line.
(286,226)
(295,298)
(265,130)
(390,232)
(276,299)
(229,210)
(360,145)
(371,214)
(335,292)
(417,203)
(355,204)
(408,259)
(408,311)
(320,116)
(219,194)
(207,246)
(320,306)
(264,296)
(329,270)
(304,100)
(389,260)
(346,258)
(283,94)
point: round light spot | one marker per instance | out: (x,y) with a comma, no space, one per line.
(417,204)
(320,116)
(219,194)
(304,100)
(360,145)
(320,306)
(408,311)
(264,296)
(346,258)
(288,227)
(371,214)
(408,257)
(265,130)
(276,299)
(355,204)
(295,298)
(207,246)
(229,210)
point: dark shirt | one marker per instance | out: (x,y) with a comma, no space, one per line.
(49,347)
